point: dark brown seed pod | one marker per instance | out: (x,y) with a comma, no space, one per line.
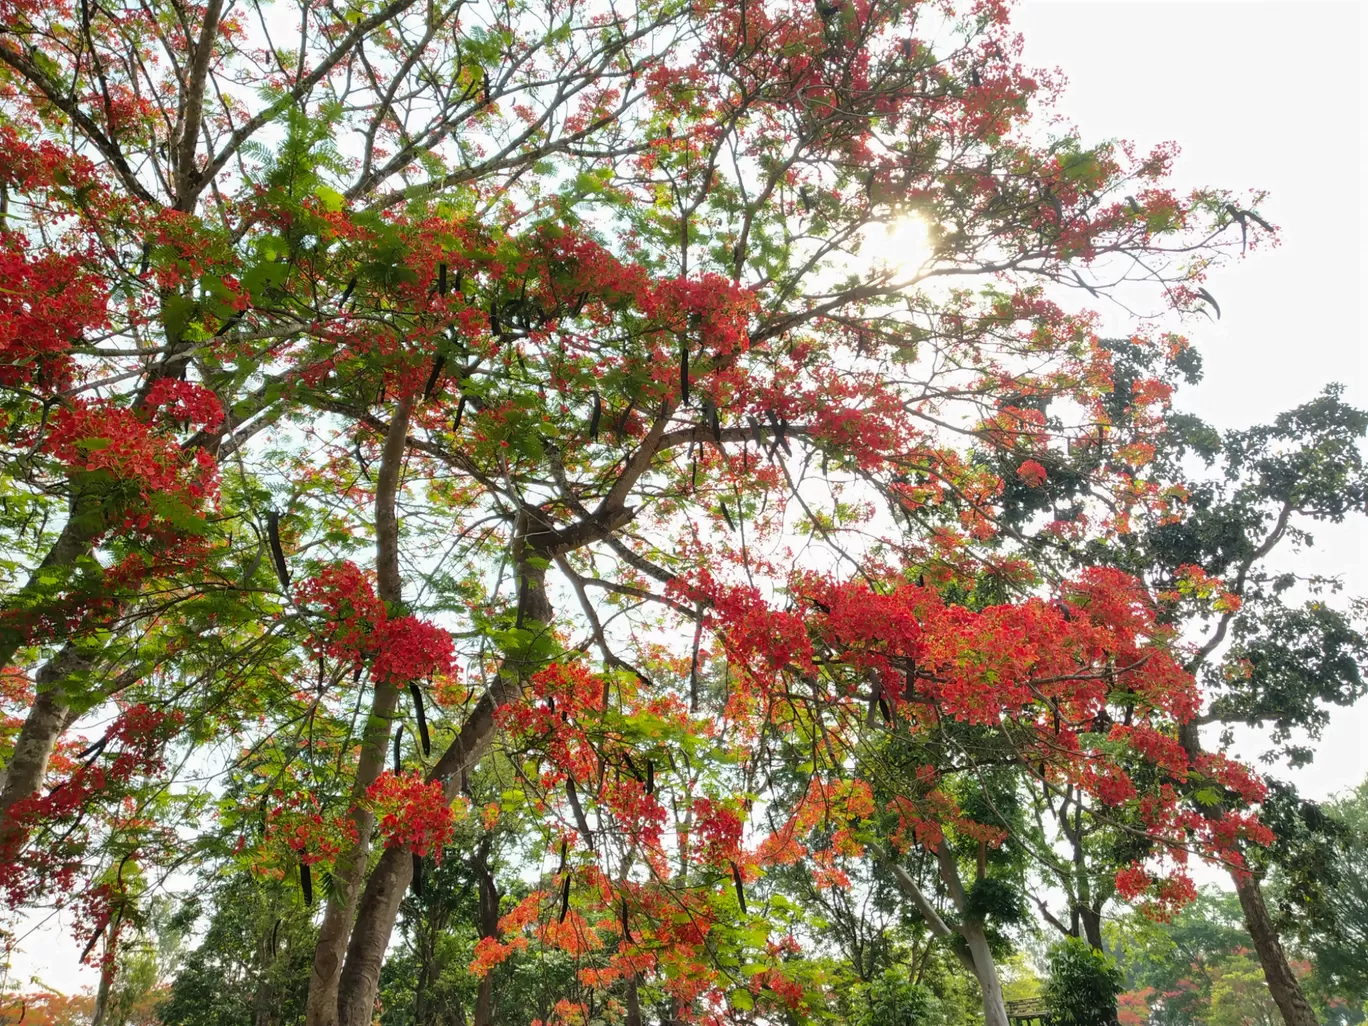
(422,718)
(277,553)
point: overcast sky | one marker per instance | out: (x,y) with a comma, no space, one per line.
(1258,95)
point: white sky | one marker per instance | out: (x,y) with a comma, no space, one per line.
(1258,95)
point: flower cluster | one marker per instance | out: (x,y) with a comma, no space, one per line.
(186,402)
(298,826)
(355,625)
(412,813)
(408,648)
(47,302)
(351,611)
(97,436)
(720,828)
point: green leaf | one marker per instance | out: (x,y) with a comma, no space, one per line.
(331,199)
(177,513)
(177,313)
(741,1000)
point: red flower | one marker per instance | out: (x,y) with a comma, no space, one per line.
(409,648)
(1032,473)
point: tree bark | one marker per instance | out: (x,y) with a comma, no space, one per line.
(488,917)
(379,907)
(985,971)
(1282,983)
(1091,919)
(984,968)
(349,870)
(977,958)
(48,717)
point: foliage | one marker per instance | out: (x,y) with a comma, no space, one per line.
(468,470)
(1082,985)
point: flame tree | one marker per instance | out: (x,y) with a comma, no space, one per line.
(501,372)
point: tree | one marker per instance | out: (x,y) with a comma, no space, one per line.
(1329,918)
(1291,656)
(1198,968)
(548,315)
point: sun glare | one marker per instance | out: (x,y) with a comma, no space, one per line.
(902,245)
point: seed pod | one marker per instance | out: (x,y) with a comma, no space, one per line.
(740,889)
(565,898)
(398,750)
(441,279)
(417,875)
(460,408)
(596,416)
(306,883)
(422,718)
(757,431)
(432,378)
(650,777)
(684,372)
(277,553)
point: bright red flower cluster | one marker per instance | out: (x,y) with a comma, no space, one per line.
(47,303)
(720,828)
(351,611)
(407,649)
(412,812)
(301,828)
(186,402)
(355,626)
(131,747)
(95,436)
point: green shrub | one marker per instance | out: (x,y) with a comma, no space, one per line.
(1082,986)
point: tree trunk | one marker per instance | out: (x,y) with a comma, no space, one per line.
(633,1002)
(379,907)
(349,870)
(101,1010)
(350,867)
(1091,919)
(488,923)
(985,971)
(75,541)
(977,959)
(981,959)
(1282,983)
(47,719)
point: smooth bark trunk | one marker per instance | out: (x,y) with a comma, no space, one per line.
(48,717)
(349,871)
(974,955)
(985,971)
(1282,983)
(379,907)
